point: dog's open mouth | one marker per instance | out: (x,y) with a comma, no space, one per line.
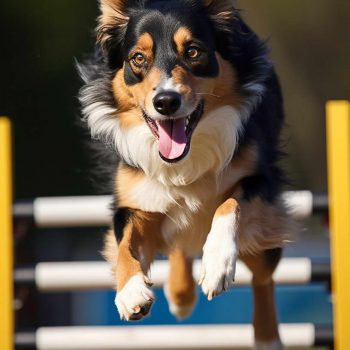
(174,135)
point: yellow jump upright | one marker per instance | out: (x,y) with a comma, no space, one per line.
(6,246)
(338,148)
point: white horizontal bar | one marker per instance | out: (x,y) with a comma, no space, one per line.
(293,271)
(95,210)
(299,203)
(60,276)
(72,211)
(165,337)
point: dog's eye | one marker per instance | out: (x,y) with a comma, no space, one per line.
(138,59)
(193,52)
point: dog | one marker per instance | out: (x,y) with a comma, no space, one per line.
(186,95)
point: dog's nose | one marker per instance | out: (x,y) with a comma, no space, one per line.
(167,102)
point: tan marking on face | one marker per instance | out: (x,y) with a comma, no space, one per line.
(217,92)
(129,114)
(192,88)
(144,46)
(224,92)
(143,92)
(145,43)
(132,99)
(122,93)
(181,37)
(147,85)
(186,83)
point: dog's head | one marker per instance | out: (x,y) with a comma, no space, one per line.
(167,67)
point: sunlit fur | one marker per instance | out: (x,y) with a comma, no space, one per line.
(236,113)
(169,206)
(217,134)
(213,143)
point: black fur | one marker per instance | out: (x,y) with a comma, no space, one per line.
(162,31)
(234,40)
(273,256)
(264,128)
(120,220)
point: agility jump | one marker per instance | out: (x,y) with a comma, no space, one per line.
(88,211)
(70,276)
(211,336)
(192,337)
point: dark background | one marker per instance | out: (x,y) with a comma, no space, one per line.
(39,84)
(39,87)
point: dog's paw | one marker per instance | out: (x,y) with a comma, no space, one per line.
(218,261)
(135,300)
(181,310)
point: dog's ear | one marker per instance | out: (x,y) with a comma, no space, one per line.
(220,9)
(113,17)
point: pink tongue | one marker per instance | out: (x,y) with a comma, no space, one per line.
(172,138)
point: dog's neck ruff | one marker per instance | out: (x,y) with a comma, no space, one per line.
(213,144)
(212,147)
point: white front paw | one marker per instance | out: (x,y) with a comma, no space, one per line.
(219,260)
(134,301)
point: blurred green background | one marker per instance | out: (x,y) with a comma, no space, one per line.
(39,84)
(311,50)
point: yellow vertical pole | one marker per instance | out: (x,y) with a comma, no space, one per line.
(6,246)
(338,152)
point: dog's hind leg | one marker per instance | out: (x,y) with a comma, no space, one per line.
(265,318)
(130,259)
(180,289)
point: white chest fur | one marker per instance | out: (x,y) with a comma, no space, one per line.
(188,209)
(188,192)
(213,145)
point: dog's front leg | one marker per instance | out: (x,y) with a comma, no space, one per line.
(220,250)
(135,253)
